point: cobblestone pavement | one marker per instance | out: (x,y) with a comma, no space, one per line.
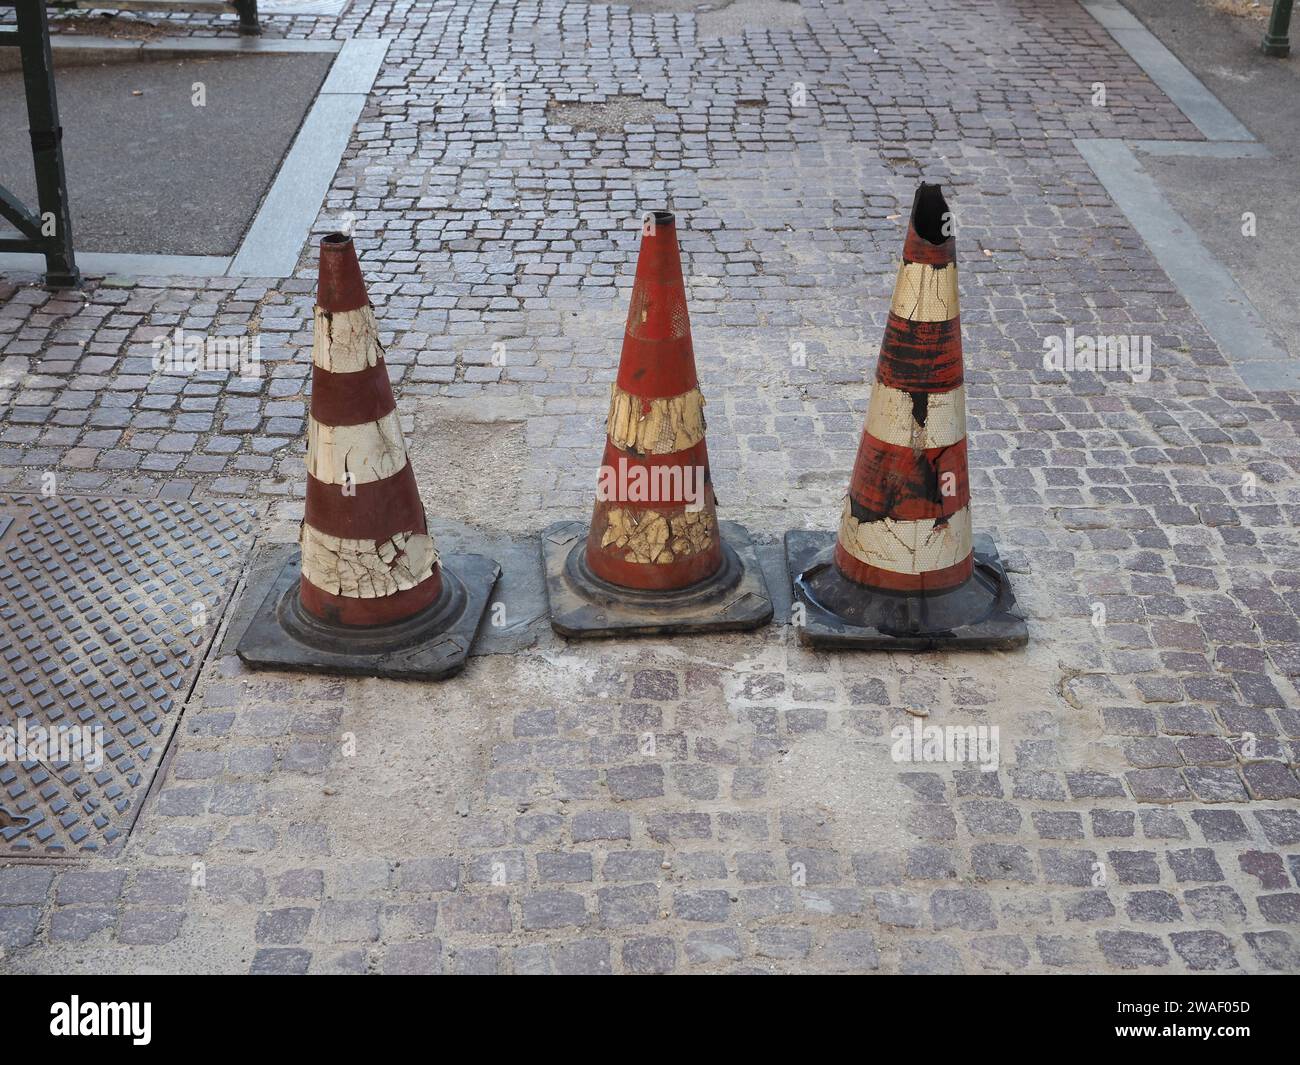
(725,803)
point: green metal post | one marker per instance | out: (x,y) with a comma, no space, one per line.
(51,231)
(1277,40)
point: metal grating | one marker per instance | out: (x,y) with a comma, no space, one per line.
(107,607)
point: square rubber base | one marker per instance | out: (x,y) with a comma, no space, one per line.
(998,628)
(585,607)
(432,651)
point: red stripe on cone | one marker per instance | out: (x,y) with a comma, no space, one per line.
(907,485)
(693,459)
(351,398)
(375,510)
(921,356)
(384,610)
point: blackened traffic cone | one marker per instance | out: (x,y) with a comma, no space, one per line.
(368,593)
(654,559)
(905,572)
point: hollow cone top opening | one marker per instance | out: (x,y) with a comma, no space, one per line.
(928,211)
(340,286)
(929,232)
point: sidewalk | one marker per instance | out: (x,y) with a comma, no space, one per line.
(1144,813)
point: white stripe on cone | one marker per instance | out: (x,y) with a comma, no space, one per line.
(365,569)
(925,293)
(346,341)
(890,418)
(912,547)
(368,452)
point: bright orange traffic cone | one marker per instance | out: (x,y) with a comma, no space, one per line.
(905,571)
(655,559)
(369,594)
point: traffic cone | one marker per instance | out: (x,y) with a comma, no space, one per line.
(654,559)
(905,571)
(367,593)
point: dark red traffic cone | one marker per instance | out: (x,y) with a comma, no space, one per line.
(368,594)
(905,571)
(654,559)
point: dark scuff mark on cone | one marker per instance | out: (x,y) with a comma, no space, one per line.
(920,407)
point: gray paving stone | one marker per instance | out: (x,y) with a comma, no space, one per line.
(711,946)
(343,921)
(1132,950)
(420,958)
(649,954)
(21,884)
(1204,950)
(284,926)
(18,925)
(553,909)
(146,927)
(621,907)
(486,913)
(280,961)
(75,924)
(966,908)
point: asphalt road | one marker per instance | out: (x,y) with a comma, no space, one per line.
(153,172)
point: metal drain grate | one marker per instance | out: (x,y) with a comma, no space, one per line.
(106,610)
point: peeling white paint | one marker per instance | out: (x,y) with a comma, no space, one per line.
(647,536)
(365,569)
(346,341)
(369,452)
(655,426)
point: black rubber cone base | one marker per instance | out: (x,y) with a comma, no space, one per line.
(585,606)
(432,645)
(978,615)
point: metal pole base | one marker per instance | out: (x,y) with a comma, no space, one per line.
(1276,46)
(432,645)
(583,606)
(841,614)
(63,280)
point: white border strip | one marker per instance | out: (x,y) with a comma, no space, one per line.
(1183,87)
(1213,294)
(274,241)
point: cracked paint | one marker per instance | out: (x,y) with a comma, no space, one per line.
(346,342)
(655,426)
(367,452)
(366,569)
(925,293)
(650,537)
